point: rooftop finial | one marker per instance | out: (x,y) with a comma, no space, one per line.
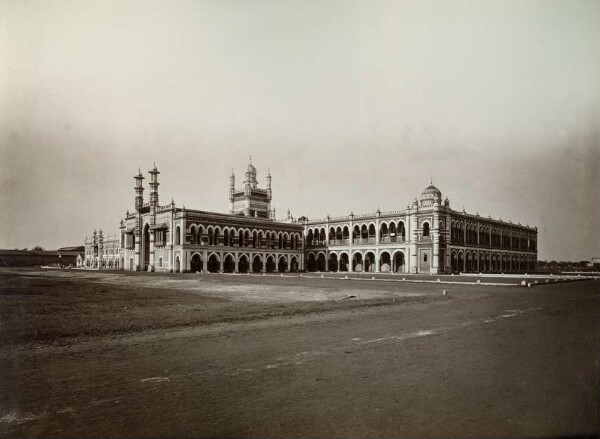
(430,180)
(250,160)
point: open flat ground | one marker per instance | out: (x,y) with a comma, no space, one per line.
(101,354)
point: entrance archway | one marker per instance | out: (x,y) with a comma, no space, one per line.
(369,262)
(282,264)
(214,264)
(243,264)
(332,263)
(399,264)
(454,262)
(344,261)
(357,263)
(385,263)
(196,263)
(256,264)
(321,262)
(270,264)
(228,264)
(311,263)
(294,266)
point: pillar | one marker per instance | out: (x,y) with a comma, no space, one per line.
(435,258)
(136,260)
(413,260)
(184,261)
(151,262)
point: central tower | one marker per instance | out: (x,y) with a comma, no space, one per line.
(251,200)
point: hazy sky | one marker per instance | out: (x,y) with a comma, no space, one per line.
(353,105)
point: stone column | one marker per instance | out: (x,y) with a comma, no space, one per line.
(188,261)
(435,259)
(136,260)
(413,260)
(350,268)
(377,261)
(151,262)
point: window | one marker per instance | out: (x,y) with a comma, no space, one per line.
(425,229)
(425,257)
(160,262)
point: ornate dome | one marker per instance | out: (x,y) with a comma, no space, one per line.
(431,192)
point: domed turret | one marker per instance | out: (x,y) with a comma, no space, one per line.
(250,182)
(429,195)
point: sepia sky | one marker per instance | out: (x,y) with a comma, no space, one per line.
(353,105)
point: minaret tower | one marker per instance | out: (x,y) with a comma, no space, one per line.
(231,188)
(100,249)
(250,181)
(269,192)
(154,186)
(139,190)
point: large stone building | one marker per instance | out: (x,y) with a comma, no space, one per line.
(426,237)
(174,239)
(102,251)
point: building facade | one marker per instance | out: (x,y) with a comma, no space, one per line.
(102,251)
(427,237)
(169,238)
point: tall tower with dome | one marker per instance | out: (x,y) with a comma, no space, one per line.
(250,200)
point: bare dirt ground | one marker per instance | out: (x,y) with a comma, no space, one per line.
(112,355)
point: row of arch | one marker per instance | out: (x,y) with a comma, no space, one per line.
(363,233)
(483,262)
(388,262)
(483,234)
(242,263)
(232,237)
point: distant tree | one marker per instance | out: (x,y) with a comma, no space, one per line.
(37,247)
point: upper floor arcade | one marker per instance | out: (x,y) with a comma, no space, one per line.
(427,220)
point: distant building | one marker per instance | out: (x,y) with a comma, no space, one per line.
(426,237)
(102,252)
(71,255)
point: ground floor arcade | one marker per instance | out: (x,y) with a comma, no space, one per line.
(238,262)
(484,261)
(376,261)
